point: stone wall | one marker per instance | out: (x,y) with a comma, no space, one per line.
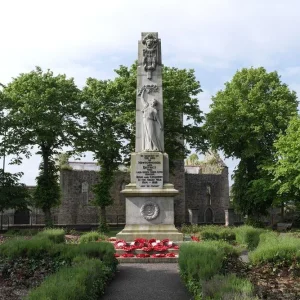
(208,193)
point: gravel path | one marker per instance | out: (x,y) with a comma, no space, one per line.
(147,282)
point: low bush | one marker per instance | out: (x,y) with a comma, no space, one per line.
(227,287)
(248,235)
(83,281)
(91,236)
(201,261)
(22,247)
(55,235)
(103,250)
(217,233)
(276,249)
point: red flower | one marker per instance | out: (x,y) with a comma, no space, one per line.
(176,247)
(112,239)
(195,238)
(160,248)
(117,255)
(147,249)
(170,255)
(127,255)
(143,255)
(158,255)
(119,244)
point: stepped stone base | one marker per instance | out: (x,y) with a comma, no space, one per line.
(159,232)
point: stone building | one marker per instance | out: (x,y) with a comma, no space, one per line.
(203,195)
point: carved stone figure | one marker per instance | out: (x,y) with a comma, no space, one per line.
(150,54)
(151,141)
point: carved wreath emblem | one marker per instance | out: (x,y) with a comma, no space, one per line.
(149,210)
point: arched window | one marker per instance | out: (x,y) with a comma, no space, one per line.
(208,194)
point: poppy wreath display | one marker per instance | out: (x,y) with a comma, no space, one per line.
(195,238)
(117,255)
(157,255)
(119,244)
(170,255)
(160,248)
(147,249)
(127,255)
(143,255)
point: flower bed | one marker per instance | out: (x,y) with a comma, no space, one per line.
(157,248)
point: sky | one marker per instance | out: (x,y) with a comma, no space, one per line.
(92,38)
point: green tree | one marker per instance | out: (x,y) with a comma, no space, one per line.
(180,90)
(13,194)
(102,135)
(245,120)
(286,169)
(43,111)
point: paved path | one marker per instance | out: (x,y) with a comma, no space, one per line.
(156,281)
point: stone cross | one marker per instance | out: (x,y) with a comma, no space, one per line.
(149,102)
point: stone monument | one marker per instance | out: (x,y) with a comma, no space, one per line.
(149,196)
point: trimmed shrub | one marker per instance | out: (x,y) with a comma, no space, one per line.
(200,261)
(248,235)
(91,237)
(103,250)
(55,235)
(83,281)
(21,247)
(227,287)
(218,233)
(276,249)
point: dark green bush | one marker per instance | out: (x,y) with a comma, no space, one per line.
(91,236)
(276,249)
(201,261)
(248,235)
(22,232)
(217,233)
(21,247)
(83,281)
(227,287)
(55,235)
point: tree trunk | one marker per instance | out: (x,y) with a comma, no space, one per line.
(282,211)
(48,217)
(103,225)
(46,210)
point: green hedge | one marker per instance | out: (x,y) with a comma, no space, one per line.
(248,235)
(276,249)
(227,287)
(218,233)
(54,235)
(83,281)
(91,236)
(201,261)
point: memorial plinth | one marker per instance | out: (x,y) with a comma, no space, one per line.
(149,196)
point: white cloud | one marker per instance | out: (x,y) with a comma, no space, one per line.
(92,37)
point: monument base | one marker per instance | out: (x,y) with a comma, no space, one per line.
(159,232)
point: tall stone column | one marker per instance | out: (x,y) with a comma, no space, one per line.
(149,196)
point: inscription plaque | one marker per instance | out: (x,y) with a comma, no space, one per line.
(149,170)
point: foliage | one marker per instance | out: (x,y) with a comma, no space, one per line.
(21,232)
(43,110)
(63,161)
(225,234)
(86,280)
(47,193)
(102,135)
(13,194)
(276,249)
(201,261)
(245,120)
(91,237)
(227,287)
(286,169)
(55,235)
(23,247)
(248,235)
